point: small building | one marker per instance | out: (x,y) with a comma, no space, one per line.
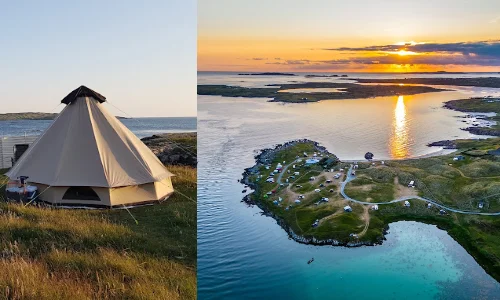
(481,204)
(459,157)
(347,208)
(411,184)
(429,205)
(337,176)
(407,203)
(312,178)
(312,161)
(297,201)
(296,173)
(375,207)
(317,190)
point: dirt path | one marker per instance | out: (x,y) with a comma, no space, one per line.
(403,191)
(366,218)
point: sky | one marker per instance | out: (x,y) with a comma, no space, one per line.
(141,55)
(349,36)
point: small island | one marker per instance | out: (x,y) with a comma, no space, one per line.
(286,93)
(267,74)
(323,76)
(318,199)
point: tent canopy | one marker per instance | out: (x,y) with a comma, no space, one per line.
(88,146)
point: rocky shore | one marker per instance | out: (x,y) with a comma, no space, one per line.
(174,148)
(477,105)
(446,144)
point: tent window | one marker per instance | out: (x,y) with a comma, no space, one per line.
(81,193)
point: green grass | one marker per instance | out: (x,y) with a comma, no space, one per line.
(53,253)
(341,226)
(380,182)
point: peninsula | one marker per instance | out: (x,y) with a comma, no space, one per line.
(314,91)
(485,109)
(319,199)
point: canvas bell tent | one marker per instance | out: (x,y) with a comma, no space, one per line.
(87,157)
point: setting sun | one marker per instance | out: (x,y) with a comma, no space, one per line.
(404,53)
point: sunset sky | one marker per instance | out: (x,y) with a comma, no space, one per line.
(140,55)
(349,36)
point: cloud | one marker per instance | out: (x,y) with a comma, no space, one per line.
(457,59)
(482,48)
(495,20)
(258,58)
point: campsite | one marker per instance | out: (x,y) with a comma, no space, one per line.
(458,192)
(98,215)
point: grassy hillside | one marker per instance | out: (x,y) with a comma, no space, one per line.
(48,253)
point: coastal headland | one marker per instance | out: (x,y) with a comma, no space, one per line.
(318,199)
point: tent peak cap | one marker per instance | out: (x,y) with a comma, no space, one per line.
(80,92)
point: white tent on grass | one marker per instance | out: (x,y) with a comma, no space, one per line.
(87,157)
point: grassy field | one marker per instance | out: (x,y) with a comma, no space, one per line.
(352,91)
(461,184)
(52,253)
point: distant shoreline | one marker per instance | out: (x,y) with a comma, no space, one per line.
(41,116)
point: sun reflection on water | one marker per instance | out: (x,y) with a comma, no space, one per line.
(399,139)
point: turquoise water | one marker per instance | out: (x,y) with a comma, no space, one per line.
(244,255)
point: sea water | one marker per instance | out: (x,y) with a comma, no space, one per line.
(244,255)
